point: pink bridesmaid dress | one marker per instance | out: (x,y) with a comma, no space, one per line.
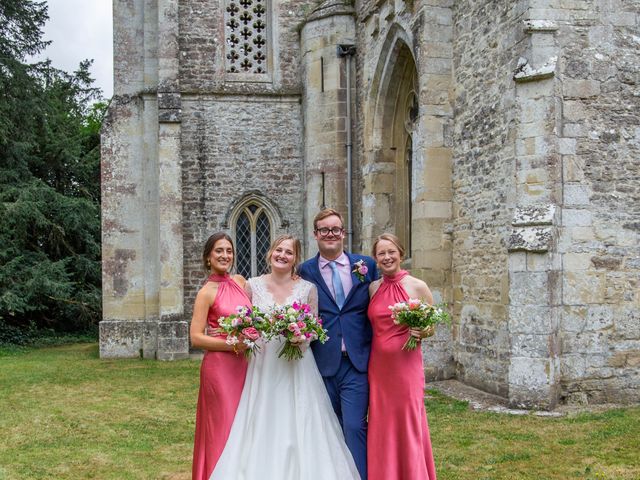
(398,443)
(222,377)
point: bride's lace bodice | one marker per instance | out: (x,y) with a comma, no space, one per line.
(261,297)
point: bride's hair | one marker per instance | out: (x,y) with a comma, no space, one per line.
(297,251)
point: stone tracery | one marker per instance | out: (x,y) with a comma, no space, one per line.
(246,37)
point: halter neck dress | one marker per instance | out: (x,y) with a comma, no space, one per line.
(398,444)
(222,376)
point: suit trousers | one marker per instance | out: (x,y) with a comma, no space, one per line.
(349,393)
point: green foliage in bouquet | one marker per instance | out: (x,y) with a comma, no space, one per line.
(415,313)
(299,326)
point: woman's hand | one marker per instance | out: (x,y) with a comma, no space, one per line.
(301,343)
(423,332)
(297,341)
(240,346)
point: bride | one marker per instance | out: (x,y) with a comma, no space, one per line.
(285,427)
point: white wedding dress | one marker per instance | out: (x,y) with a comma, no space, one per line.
(285,427)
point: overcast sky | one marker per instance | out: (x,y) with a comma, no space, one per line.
(79,30)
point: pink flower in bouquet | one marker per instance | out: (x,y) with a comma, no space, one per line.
(414,304)
(236,322)
(251,333)
(247,323)
(415,314)
(299,326)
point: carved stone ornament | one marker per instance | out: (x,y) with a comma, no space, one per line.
(533,228)
(525,73)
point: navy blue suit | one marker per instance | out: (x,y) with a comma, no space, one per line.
(346,377)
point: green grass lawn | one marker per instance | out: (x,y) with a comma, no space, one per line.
(66,414)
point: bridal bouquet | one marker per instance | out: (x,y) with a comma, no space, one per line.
(299,326)
(416,314)
(245,326)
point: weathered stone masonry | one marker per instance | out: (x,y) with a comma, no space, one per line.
(500,140)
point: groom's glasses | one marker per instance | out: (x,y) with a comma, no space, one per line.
(324,231)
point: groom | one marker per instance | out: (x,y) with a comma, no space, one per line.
(343,281)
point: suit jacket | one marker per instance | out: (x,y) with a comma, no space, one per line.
(349,323)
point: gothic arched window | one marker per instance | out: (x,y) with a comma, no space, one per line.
(405,167)
(252,232)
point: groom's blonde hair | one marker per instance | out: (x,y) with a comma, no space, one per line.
(297,251)
(327,212)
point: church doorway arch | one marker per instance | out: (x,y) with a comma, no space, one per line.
(392,133)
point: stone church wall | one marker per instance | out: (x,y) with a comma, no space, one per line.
(232,146)
(237,136)
(202,52)
(524,148)
(599,238)
(488,37)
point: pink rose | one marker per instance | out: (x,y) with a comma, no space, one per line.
(414,304)
(292,327)
(301,324)
(363,269)
(251,333)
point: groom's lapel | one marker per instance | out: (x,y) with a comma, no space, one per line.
(317,276)
(355,281)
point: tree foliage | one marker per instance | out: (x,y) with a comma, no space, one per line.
(49,182)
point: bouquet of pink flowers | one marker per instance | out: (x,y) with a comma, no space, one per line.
(299,326)
(245,326)
(414,313)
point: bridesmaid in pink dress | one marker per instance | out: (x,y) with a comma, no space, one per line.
(223,371)
(398,445)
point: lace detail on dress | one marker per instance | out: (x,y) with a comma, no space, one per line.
(262,298)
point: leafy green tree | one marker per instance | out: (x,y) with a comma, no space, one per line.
(49,182)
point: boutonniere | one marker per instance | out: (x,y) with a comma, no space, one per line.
(360,269)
